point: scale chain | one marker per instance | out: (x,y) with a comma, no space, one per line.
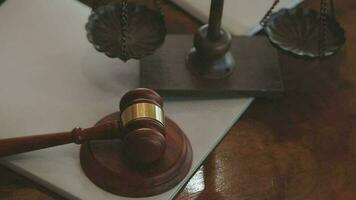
(124,28)
(267,16)
(158,5)
(323,27)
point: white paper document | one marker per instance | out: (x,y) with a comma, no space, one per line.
(52,80)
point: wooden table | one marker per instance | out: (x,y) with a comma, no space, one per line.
(300,146)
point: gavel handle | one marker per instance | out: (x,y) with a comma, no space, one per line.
(17,145)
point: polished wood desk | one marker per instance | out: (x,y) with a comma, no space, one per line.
(301,146)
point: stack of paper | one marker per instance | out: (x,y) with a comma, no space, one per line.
(52,80)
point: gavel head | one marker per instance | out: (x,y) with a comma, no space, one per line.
(142,119)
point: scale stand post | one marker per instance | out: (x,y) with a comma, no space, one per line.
(210,57)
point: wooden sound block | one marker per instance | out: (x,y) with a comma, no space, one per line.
(108,167)
(257,71)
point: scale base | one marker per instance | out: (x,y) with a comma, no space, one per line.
(257,71)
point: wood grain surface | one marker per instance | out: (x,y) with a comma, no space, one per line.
(300,146)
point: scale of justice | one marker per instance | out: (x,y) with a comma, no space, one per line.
(138,151)
(209,63)
(212,62)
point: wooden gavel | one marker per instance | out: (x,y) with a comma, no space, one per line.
(141,129)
